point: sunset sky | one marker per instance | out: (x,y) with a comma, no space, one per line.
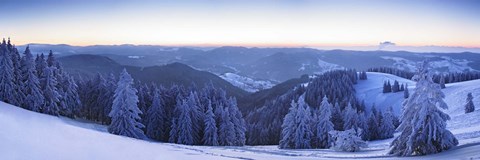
(243,22)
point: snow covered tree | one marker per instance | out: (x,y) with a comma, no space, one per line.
(363,125)
(387,127)
(226,135)
(40,65)
(17,75)
(347,140)
(34,97)
(469,106)
(303,132)
(125,112)
(196,115)
(406,94)
(373,124)
(156,116)
(184,124)
(323,125)
(396,86)
(7,84)
(350,118)
(442,81)
(71,97)
(50,93)
(288,127)
(337,117)
(238,122)
(210,136)
(423,124)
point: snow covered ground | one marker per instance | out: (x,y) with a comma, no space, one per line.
(27,135)
(246,83)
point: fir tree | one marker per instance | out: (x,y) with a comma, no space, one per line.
(156,117)
(226,135)
(50,92)
(288,127)
(303,133)
(34,97)
(125,112)
(442,81)
(185,124)
(7,84)
(405,92)
(323,125)
(210,137)
(387,127)
(423,124)
(350,118)
(337,118)
(469,106)
(373,124)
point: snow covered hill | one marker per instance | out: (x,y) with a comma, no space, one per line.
(246,83)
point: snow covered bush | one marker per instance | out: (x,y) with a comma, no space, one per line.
(423,124)
(348,140)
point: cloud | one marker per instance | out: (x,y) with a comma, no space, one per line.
(382,45)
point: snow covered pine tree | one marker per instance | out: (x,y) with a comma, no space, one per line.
(423,124)
(469,107)
(125,112)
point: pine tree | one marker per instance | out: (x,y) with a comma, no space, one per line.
(156,117)
(125,112)
(442,81)
(17,75)
(196,115)
(387,127)
(210,137)
(71,97)
(50,92)
(40,65)
(423,124)
(350,118)
(238,122)
(303,133)
(288,127)
(373,124)
(226,135)
(363,125)
(337,117)
(405,92)
(323,125)
(34,97)
(396,86)
(7,84)
(469,106)
(185,124)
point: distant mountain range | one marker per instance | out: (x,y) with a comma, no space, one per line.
(167,75)
(268,64)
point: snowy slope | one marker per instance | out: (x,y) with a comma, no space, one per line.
(371,90)
(246,83)
(27,135)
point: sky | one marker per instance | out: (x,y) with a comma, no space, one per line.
(299,23)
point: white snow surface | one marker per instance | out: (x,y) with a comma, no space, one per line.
(26,135)
(246,83)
